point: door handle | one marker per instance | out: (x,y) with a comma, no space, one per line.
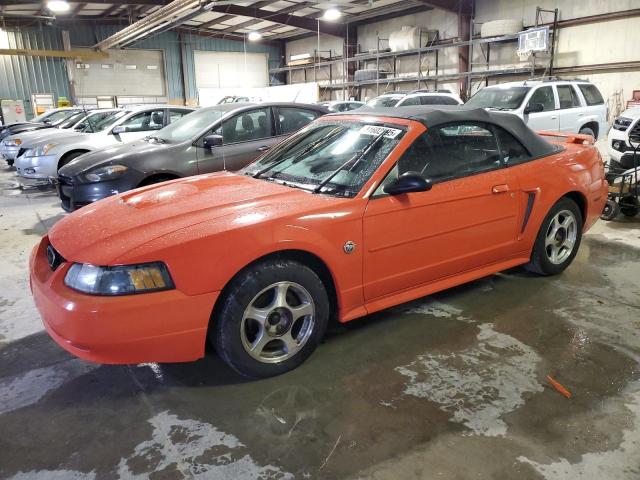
(554,118)
(263,148)
(500,188)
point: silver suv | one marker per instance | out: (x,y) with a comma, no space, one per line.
(567,106)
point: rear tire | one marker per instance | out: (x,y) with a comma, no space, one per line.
(272,317)
(588,131)
(558,239)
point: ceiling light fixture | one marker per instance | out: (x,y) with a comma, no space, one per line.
(332,14)
(58,6)
(254,36)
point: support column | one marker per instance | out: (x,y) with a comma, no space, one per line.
(464,52)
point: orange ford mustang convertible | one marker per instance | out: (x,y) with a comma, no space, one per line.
(355,213)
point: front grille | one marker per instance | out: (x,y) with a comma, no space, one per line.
(634,133)
(54,259)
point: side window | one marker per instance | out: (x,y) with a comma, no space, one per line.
(177,114)
(411,101)
(291,119)
(246,126)
(568,96)
(544,96)
(513,152)
(451,151)
(591,94)
(142,122)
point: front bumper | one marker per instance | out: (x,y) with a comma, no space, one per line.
(75,195)
(164,326)
(37,168)
(621,140)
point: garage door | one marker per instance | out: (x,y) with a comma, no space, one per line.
(124,73)
(223,69)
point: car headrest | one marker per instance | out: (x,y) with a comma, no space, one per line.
(157,117)
(247,123)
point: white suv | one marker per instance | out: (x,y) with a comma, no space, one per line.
(567,106)
(627,124)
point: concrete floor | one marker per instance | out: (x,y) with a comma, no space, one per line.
(450,387)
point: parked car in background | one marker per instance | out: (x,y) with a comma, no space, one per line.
(341,105)
(15,145)
(48,119)
(222,137)
(355,213)
(625,129)
(429,98)
(415,97)
(43,158)
(233,99)
(568,106)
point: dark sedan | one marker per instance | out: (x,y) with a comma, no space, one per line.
(47,120)
(223,137)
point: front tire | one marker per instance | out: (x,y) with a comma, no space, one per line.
(558,239)
(272,317)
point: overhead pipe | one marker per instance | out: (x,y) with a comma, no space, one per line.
(172,12)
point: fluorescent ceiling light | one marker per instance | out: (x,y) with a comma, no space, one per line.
(254,36)
(58,6)
(332,14)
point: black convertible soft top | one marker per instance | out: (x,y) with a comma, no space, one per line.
(435,115)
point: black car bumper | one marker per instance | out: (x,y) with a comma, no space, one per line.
(75,195)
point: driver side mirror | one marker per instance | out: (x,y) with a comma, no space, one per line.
(408,182)
(118,130)
(211,141)
(534,108)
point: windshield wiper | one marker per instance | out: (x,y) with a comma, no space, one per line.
(355,158)
(309,148)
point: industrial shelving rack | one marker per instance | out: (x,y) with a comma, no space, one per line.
(434,49)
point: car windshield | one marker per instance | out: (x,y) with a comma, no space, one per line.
(336,158)
(189,126)
(384,101)
(72,120)
(51,116)
(106,122)
(59,117)
(499,98)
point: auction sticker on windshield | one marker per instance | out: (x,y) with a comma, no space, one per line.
(374,130)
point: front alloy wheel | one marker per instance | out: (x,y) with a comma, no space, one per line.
(271,317)
(278,322)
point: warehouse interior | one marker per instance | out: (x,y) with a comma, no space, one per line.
(507,374)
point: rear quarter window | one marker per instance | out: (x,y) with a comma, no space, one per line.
(591,94)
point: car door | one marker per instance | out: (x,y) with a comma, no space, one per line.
(245,137)
(468,219)
(548,118)
(141,125)
(571,111)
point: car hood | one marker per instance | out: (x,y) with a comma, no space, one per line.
(120,154)
(25,127)
(104,233)
(32,136)
(632,113)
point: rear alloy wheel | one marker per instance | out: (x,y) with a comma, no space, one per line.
(558,239)
(272,318)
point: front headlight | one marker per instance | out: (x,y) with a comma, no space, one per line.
(41,151)
(120,280)
(101,174)
(13,143)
